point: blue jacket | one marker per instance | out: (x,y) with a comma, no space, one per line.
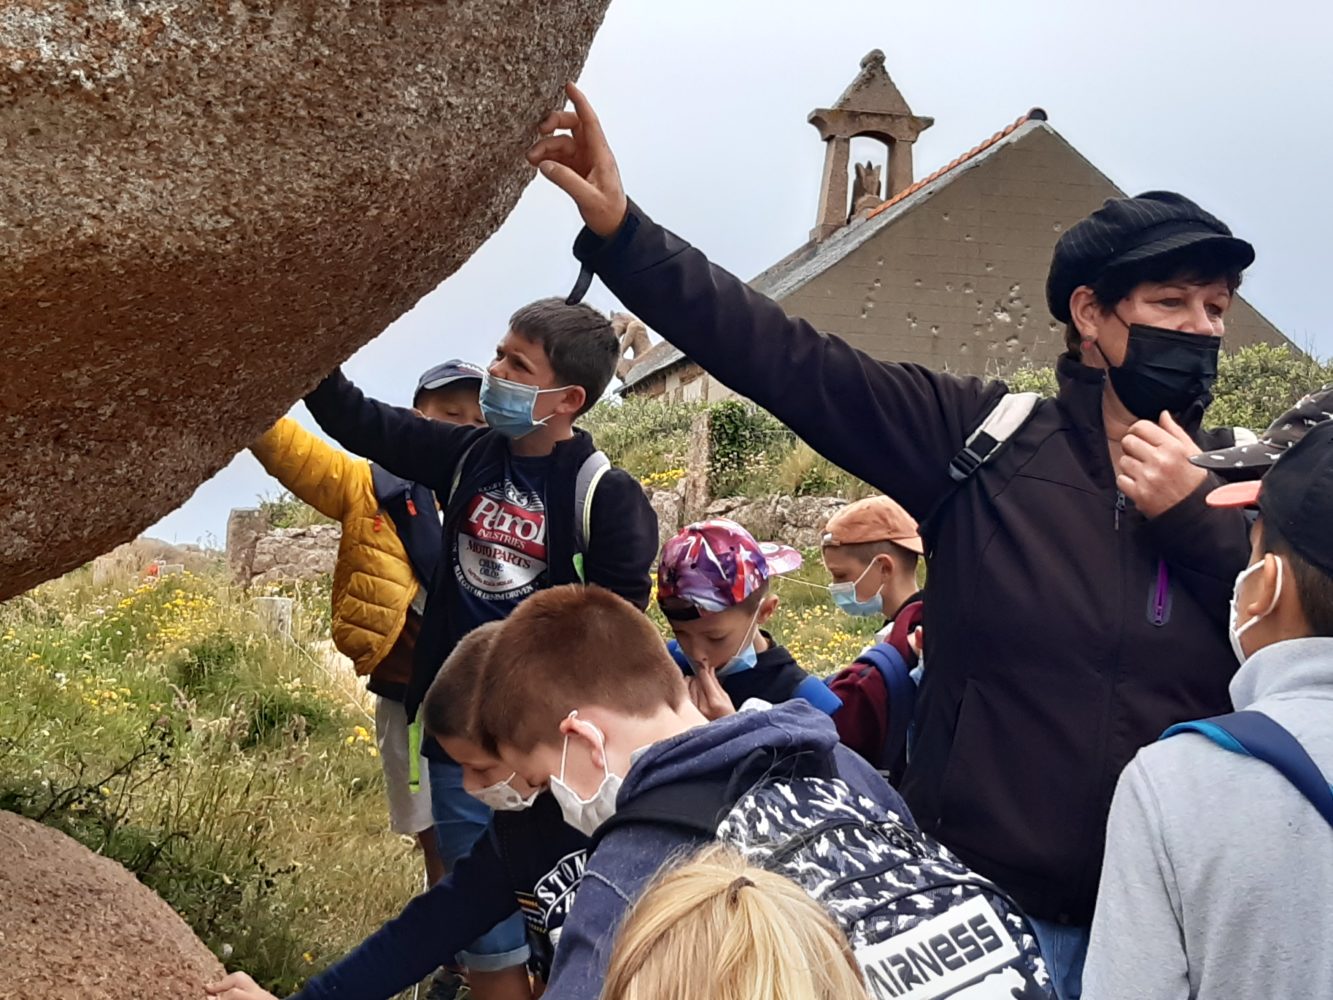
(629,856)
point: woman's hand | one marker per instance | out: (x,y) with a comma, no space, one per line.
(581,164)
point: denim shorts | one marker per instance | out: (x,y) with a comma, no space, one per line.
(459,821)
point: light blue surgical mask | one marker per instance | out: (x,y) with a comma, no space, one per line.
(507,406)
(844,596)
(745,659)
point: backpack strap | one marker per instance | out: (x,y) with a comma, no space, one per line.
(410,507)
(594,467)
(458,473)
(698,805)
(694,807)
(1254,734)
(991,435)
(901,691)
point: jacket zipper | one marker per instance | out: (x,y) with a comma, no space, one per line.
(1119,508)
(1163,585)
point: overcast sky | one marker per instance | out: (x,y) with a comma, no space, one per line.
(705,103)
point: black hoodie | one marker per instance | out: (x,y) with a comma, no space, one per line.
(1065,630)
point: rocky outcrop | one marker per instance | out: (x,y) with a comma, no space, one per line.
(796,521)
(75,924)
(204,207)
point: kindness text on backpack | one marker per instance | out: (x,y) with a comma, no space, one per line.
(922,925)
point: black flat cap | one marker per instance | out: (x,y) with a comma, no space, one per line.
(1126,230)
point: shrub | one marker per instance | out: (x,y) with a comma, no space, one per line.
(287,511)
(642,436)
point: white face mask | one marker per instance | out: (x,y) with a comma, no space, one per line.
(586,815)
(503,797)
(1234,630)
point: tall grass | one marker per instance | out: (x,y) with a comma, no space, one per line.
(159,725)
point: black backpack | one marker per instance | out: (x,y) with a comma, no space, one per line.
(922,925)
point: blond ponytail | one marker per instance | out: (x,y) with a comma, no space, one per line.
(719,928)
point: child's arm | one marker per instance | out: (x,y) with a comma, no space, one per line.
(404,442)
(897,426)
(307,467)
(624,539)
(471,900)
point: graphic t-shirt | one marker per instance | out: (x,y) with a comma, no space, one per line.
(499,550)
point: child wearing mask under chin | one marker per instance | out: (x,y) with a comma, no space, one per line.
(713,586)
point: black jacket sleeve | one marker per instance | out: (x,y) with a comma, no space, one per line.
(1205,546)
(896,426)
(404,442)
(623,542)
(432,927)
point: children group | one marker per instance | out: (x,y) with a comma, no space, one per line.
(1090,759)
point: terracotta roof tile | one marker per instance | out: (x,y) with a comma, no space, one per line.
(1036,114)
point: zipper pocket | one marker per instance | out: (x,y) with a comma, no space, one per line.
(1159,596)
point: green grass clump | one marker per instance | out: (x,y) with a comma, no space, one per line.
(233,772)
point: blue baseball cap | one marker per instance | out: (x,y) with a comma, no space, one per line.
(448,373)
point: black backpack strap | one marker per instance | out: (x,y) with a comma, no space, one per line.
(411,508)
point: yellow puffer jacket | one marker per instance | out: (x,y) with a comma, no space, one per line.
(373,582)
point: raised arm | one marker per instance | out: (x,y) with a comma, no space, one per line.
(894,425)
(308,467)
(403,441)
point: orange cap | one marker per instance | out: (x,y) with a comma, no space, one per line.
(875,519)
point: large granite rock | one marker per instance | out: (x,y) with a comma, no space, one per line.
(75,924)
(205,206)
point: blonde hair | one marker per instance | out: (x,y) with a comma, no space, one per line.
(717,927)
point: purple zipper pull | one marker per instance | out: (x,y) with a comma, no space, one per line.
(1163,589)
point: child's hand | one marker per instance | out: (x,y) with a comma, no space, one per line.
(581,164)
(238,986)
(707,694)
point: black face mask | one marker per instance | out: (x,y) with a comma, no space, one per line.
(1164,370)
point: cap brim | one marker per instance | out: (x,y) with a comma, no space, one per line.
(1236,494)
(912,543)
(1240,252)
(780,558)
(1244,461)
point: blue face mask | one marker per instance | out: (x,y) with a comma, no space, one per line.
(507,406)
(844,596)
(745,659)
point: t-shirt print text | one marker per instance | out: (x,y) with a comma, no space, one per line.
(502,543)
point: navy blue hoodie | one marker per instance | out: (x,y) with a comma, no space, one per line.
(629,856)
(528,860)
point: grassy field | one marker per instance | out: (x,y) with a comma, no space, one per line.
(160,726)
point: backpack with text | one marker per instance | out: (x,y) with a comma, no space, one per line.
(921,924)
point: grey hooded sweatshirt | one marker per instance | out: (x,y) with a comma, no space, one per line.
(1218,880)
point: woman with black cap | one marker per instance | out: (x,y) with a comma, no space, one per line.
(1078,586)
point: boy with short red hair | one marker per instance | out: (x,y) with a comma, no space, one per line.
(583,697)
